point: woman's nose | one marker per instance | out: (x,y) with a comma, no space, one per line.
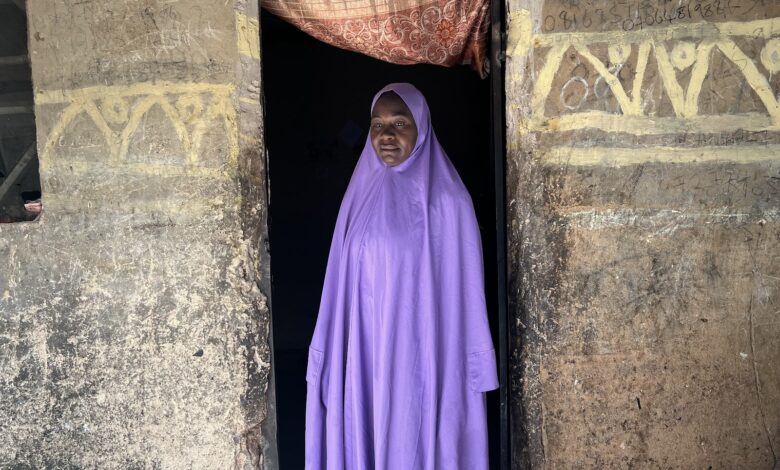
(387,133)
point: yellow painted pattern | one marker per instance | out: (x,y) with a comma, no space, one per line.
(642,125)
(248,30)
(117,112)
(631,118)
(624,156)
(519,33)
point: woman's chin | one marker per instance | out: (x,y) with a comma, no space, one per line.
(391,160)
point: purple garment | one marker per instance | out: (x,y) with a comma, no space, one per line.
(402,354)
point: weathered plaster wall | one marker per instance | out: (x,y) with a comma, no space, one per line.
(134,326)
(644,189)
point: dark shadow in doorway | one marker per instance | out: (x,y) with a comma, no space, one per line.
(317,100)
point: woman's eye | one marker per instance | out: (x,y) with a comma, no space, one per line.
(400,124)
(376,125)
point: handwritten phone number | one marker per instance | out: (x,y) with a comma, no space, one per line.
(636,17)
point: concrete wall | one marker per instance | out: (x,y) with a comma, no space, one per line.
(644,188)
(134,327)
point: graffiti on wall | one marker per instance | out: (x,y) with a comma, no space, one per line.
(118,113)
(707,77)
(248,35)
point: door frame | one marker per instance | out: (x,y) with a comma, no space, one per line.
(498,162)
(498,159)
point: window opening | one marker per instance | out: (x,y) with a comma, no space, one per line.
(20,185)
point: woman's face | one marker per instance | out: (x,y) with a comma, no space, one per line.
(393,130)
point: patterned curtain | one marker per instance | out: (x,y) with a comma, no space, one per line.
(442,32)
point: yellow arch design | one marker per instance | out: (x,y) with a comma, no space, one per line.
(147,96)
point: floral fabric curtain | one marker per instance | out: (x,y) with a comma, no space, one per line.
(442,32)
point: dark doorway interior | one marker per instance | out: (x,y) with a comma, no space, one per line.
(20,185)
(317,101)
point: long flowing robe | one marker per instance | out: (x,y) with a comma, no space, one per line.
(402,354)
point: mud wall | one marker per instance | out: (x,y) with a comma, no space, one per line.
(643,197)
(134,324)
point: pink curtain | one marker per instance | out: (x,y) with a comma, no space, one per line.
(442,32)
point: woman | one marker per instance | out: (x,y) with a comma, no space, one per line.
(401,354)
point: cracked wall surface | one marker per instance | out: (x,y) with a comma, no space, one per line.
(135,330)
(643,197)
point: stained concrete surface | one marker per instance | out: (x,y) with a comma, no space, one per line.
(644,234)
(135,326)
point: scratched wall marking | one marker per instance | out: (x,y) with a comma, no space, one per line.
(248,34)
(676,48)
(664,221)
(117,112)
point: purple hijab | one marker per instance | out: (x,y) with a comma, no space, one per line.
(402,354)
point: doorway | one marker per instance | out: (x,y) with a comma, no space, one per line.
(317,100)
